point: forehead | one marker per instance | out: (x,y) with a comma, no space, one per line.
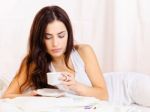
(55,27)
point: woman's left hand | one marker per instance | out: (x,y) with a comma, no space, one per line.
(69,82)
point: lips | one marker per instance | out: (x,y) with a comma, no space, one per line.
(56,50)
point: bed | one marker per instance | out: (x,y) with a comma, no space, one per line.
(62,104)
(66,103)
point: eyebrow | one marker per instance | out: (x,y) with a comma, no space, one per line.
(57,33)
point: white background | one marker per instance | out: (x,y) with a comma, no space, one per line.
(118,31)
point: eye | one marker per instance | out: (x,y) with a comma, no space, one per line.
(61,35)
(48,36)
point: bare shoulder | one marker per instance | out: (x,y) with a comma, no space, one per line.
(84,50)
(83,47)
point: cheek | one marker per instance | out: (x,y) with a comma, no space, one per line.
(47,45)
(65,42)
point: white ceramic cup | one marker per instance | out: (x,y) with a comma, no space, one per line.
(53,78)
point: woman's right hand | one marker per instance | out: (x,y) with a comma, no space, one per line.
(33,93)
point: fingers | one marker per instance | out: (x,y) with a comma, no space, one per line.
(67,83)
(62,78)
(67,80)
(33,93)
(66,77)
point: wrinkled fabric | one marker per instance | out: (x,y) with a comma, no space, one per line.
(128,88)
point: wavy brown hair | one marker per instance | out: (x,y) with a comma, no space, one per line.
(37,60)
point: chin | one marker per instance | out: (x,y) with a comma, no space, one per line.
(57,54)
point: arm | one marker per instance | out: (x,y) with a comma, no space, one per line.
(94,73)
(14,88)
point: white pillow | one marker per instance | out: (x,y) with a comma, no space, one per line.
(128,87)
(141,90)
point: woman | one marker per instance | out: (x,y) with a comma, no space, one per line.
(51,49)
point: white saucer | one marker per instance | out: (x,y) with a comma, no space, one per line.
(50,92)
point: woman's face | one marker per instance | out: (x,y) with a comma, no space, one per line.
(56,37)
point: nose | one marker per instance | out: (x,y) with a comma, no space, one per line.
(55,41)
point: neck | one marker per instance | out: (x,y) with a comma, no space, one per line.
(58,60)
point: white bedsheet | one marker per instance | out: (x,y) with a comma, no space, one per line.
(62,104)
(141,108)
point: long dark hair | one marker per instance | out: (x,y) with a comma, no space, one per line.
(37,60)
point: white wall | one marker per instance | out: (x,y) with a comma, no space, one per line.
(118,30)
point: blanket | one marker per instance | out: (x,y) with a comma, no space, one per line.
(62,104)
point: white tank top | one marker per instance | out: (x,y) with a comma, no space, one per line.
(78,64)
